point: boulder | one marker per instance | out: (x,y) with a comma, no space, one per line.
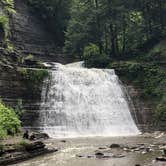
(161,159)
(35,146)
(37,136)
(99,154)
(63,141)
(115,146)
(164,152)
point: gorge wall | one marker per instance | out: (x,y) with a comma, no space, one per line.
(16,92)
(30,36)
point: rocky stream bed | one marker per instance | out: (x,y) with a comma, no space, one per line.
(143,150)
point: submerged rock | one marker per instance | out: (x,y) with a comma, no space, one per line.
(102,148)
(161,159)
(115,146)
(99,154)
(164,152)
(63,141)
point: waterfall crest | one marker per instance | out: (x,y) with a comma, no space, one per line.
(85,102)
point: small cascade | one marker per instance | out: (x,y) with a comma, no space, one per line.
(84,102)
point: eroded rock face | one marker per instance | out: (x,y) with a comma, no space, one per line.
(29,34)
(13,89)
(141,112)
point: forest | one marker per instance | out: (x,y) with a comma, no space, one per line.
(116,28)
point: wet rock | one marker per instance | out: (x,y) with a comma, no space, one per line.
(136,150)
(164,152)
(80,156)
(30,62)
(35,146)
(119,156)
(99,154)
(29,151)
(134,147)
(89,156)
(85,156)
(63,141)
(36,136)
(127,149)
(102,148)
(115,146)
(161,159)
(144,152)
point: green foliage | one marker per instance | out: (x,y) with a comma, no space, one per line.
(8,9)
(9,122)
(117,27)
(91,50)
(9,6)
(29,57)
(33,79)
(34,76)
(3,133)
(93,58)
(4,24)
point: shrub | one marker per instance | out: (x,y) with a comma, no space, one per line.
(9,122)
(34,76)
(90,51)
(29,57)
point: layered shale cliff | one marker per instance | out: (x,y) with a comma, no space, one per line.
(29,34)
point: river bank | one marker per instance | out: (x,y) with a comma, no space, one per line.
(96,151)
(16,149)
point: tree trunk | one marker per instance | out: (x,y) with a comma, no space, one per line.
(161,14)
(99,41)
(113,50)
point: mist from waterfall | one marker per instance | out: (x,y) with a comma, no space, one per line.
(83,102)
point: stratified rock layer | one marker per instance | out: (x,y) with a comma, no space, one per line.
(30,35)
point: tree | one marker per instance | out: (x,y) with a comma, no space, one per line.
(115,26)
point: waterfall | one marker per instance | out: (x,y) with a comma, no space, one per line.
(83,102)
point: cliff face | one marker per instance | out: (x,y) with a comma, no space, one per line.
(13,89)
(140,110)
(30,36)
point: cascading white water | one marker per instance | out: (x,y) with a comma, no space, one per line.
(85,102)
